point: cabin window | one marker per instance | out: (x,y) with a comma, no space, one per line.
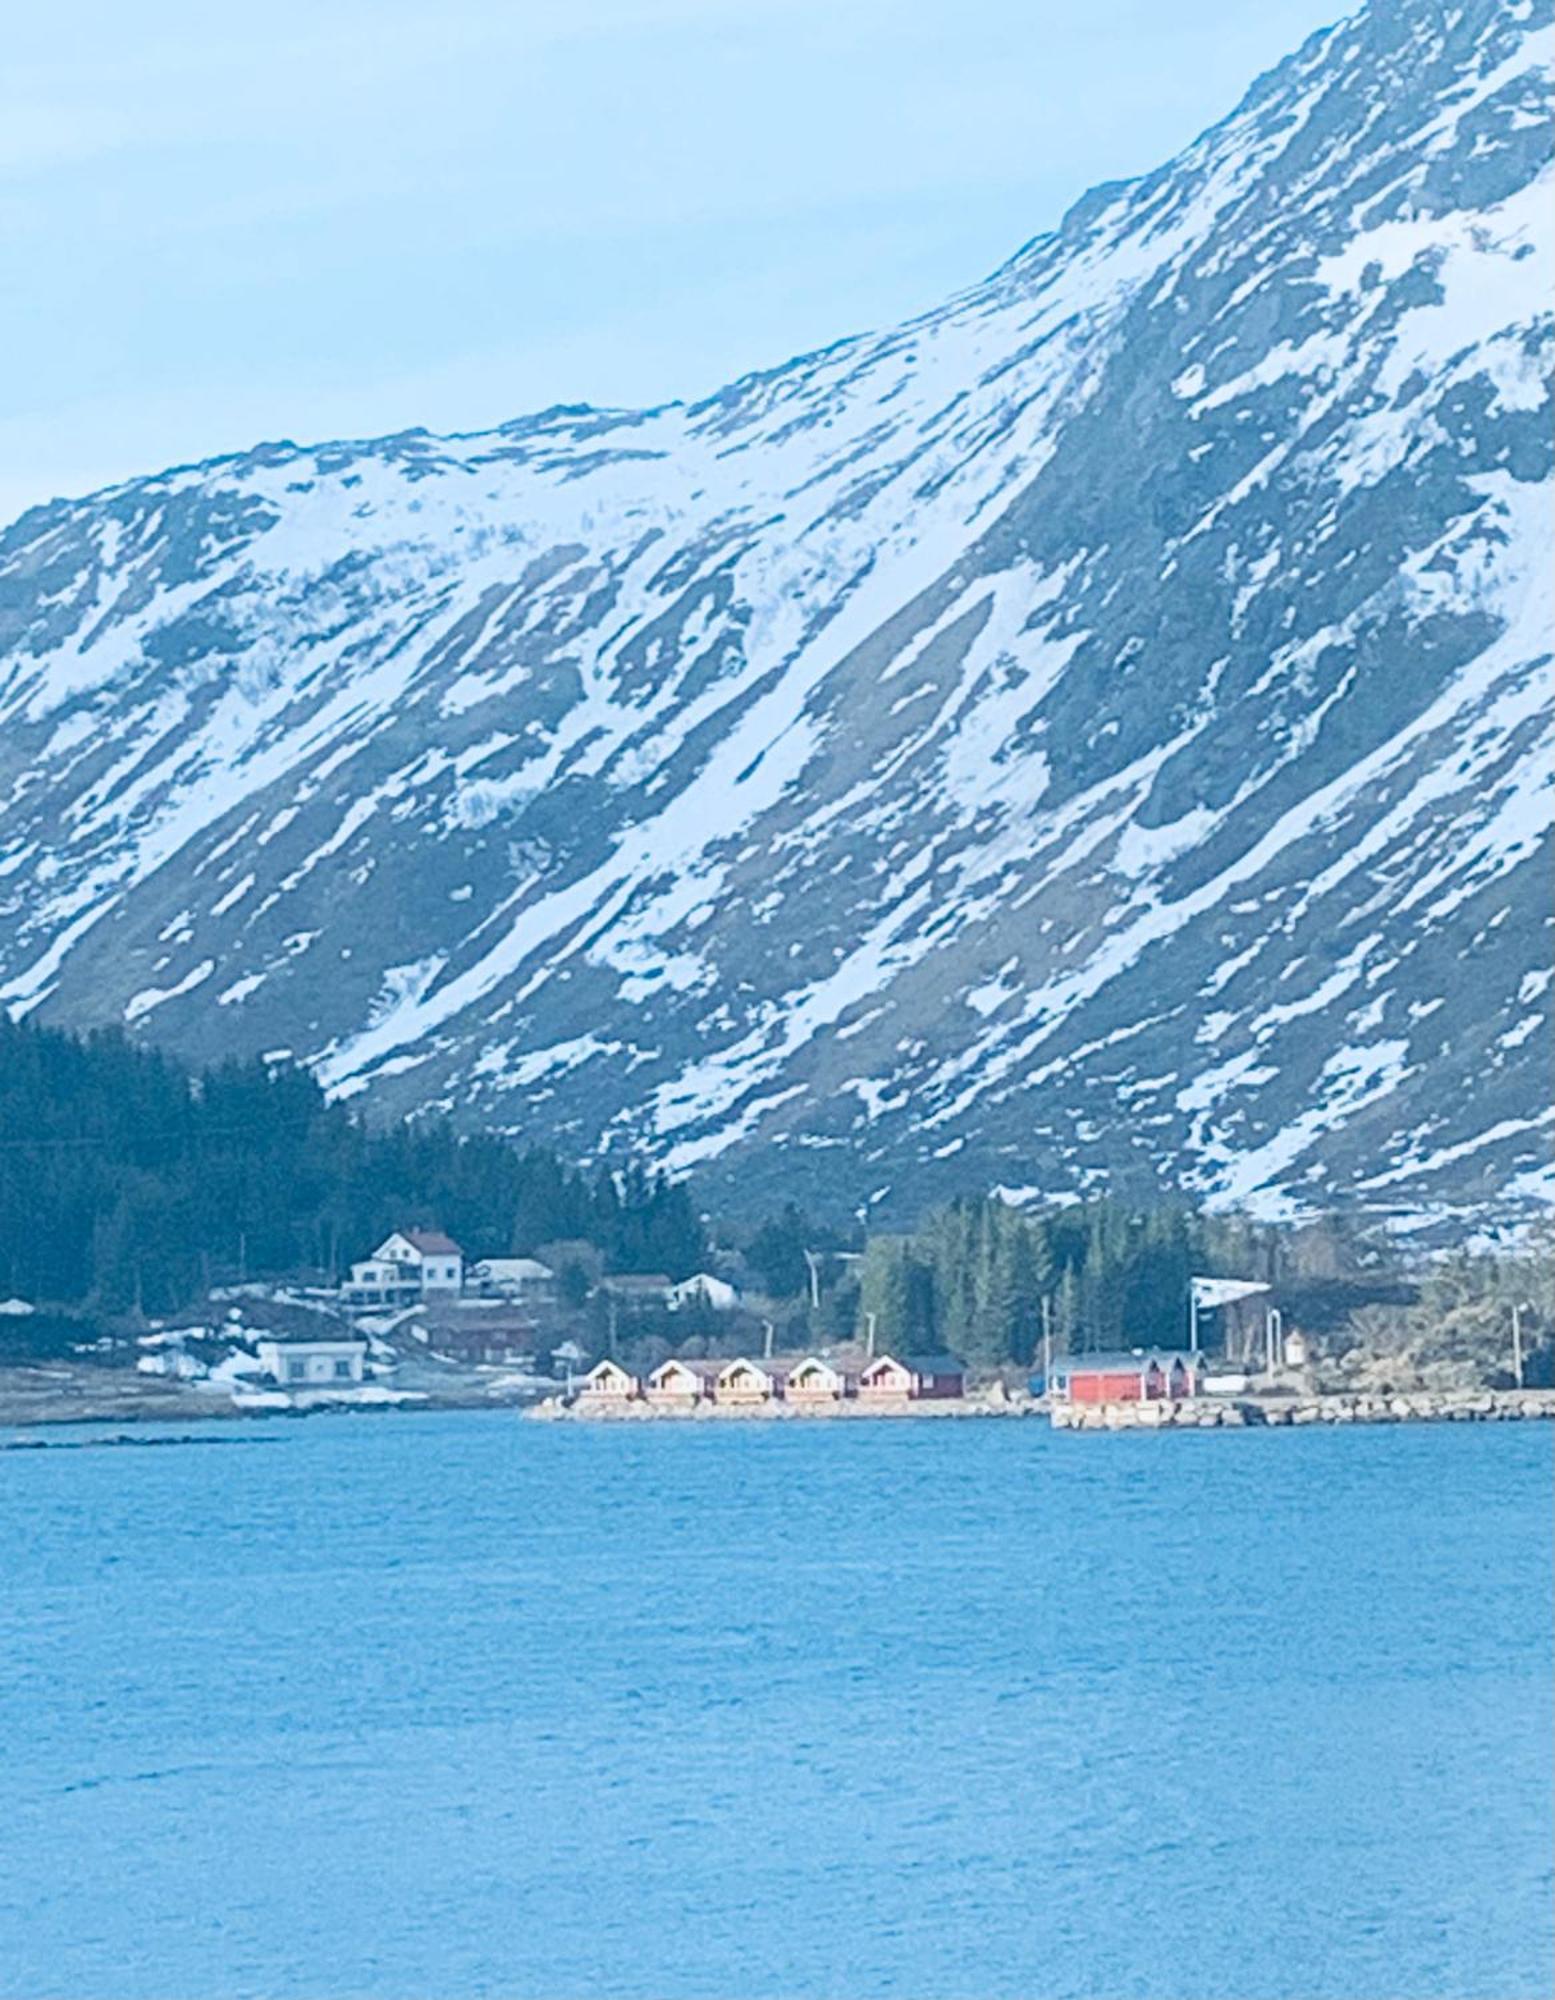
(342,1371)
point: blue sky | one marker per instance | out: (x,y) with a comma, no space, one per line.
(324,218)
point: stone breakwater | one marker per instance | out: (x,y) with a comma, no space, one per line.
(1411,1406)
(1199,1413)
(623,1410)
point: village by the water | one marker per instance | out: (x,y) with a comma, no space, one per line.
(418,1324)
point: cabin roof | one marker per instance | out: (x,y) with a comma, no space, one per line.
(1120,1361)
(923,1364)
(696,1365)
(768,1364)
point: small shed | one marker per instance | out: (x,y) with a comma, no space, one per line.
(314,1364)
(913,1377)
(1135,1375)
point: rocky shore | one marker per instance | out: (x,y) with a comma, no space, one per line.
(64,1395)
(1209,1413)
(1199,1413)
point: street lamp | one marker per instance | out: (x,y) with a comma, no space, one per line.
(1522,1306)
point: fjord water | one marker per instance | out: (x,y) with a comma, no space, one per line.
(460,1705)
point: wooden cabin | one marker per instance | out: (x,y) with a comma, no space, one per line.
(608,1382)
(747,1381)
(678,1384)
(912,1378)
(815,1384)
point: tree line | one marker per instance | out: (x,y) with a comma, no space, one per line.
(126,1181)
(129,1183)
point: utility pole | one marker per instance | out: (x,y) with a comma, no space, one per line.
(1273,1327)
(1193,1317)
(870,1320)
(814,1263)
(766,1340)
(1047,1342)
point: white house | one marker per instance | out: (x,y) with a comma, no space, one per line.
(513,1278)
(313,1364)
(435,1258)
(704,1289)
(409,1265)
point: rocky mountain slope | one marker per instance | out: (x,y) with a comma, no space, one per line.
(1097,733)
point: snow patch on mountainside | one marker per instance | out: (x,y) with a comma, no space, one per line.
(1097,733)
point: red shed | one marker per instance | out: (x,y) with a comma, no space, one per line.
(1136,1376)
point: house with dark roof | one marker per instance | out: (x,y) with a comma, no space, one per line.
(912,1377)
(409,1265)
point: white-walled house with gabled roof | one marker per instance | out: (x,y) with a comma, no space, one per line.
(745,1381)
(608,1382)
(815,1382)
(408,1266)
(435,1257)
(678,1383)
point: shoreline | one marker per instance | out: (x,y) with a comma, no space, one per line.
(41,1400)
(1198,1413)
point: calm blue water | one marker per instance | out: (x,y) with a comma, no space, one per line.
(457,1705)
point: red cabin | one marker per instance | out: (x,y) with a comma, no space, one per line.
(1138,1376)
(913,1378)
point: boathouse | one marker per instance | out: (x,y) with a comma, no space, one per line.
(912,1377)
(1137,1376)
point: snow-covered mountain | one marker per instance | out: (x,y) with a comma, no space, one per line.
(1097,733)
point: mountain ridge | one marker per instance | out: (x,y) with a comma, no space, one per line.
(1143,652)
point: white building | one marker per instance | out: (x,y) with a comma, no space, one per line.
(513,1278)
(704,1289)
(408,1266)
(313,1364)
